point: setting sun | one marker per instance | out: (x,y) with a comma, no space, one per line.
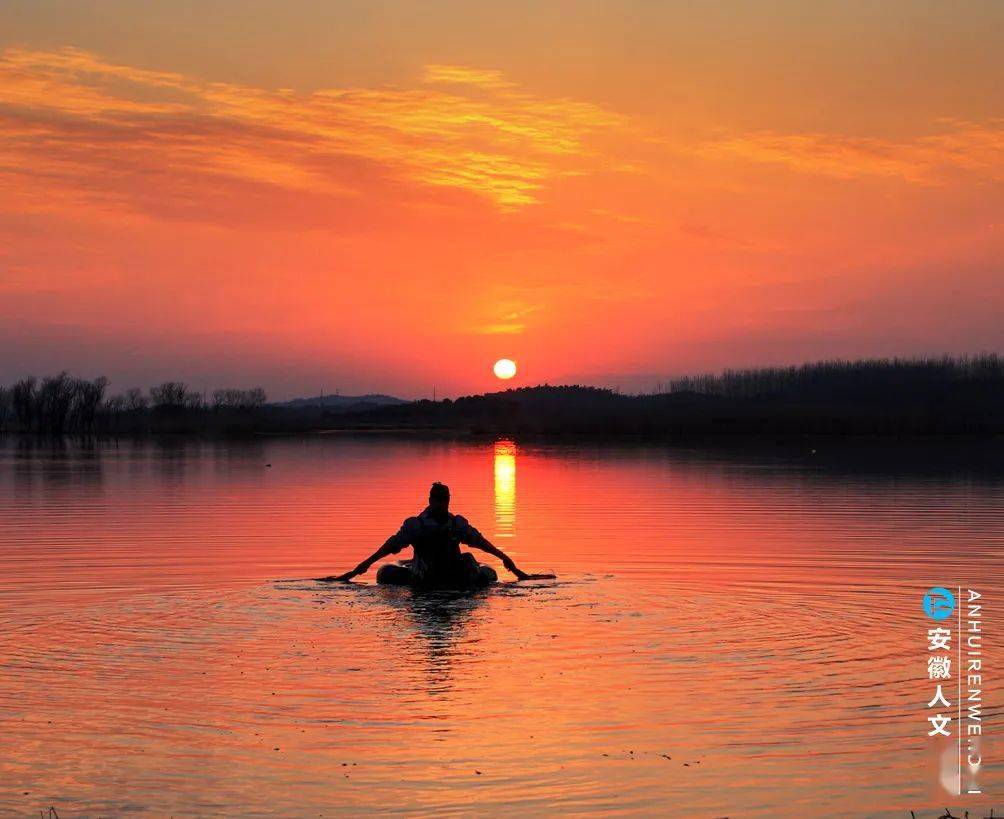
(505,368)
(252,267)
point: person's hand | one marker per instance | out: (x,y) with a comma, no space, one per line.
(520,574)
(341,578)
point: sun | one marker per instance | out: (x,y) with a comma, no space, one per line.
(505,368)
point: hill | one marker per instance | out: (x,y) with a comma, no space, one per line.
(899,396)
(341,402)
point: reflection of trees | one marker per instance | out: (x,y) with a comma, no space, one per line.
(173,457)
(57,462)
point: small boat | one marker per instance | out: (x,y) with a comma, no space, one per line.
(469,575)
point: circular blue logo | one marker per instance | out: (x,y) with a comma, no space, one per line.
(939,603)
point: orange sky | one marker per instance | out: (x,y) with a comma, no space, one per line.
(388,197)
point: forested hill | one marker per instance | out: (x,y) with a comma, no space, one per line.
(881,397)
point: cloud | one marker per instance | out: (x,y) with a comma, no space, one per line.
(79,131)
(74,127)
(926,159)
(501,329)
(464,75)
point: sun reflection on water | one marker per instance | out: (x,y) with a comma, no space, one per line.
(505,488)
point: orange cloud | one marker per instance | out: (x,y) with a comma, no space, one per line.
(69,116)
(464,75)
(962,146)
(78,130)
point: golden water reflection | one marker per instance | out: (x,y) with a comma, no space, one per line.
(505,488)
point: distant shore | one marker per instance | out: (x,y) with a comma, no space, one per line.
(892,398)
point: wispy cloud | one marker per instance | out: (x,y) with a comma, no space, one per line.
(927,159)
(501,329)
(464,75)
(82,126)
(78,130)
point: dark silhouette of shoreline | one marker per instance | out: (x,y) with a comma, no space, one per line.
(936,396)
(871,397)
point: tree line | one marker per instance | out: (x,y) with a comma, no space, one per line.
(924,396)
(61,404)
(902,377)
(877,396)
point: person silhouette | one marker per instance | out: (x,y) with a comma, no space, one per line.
(435,534)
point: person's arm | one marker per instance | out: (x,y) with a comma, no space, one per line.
(472,537)
(395,543)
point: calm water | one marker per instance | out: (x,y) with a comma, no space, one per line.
(731,634)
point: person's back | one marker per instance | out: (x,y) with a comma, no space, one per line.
(435,534)
(436,541)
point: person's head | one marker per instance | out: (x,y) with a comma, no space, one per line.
(439,497)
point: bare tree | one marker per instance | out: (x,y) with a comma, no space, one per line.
(194,401)
(134,399)
(87,397)
(23,399)
(115,404)
(222,399)
(5,404)
(111,411)
(256,397)
(239,399)
(55,400)
(169,395)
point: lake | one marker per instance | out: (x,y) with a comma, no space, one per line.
(733,632)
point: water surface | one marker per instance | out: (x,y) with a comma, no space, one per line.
(731,634)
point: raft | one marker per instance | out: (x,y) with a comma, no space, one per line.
(471,575)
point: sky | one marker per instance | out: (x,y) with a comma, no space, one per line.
(388,197)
